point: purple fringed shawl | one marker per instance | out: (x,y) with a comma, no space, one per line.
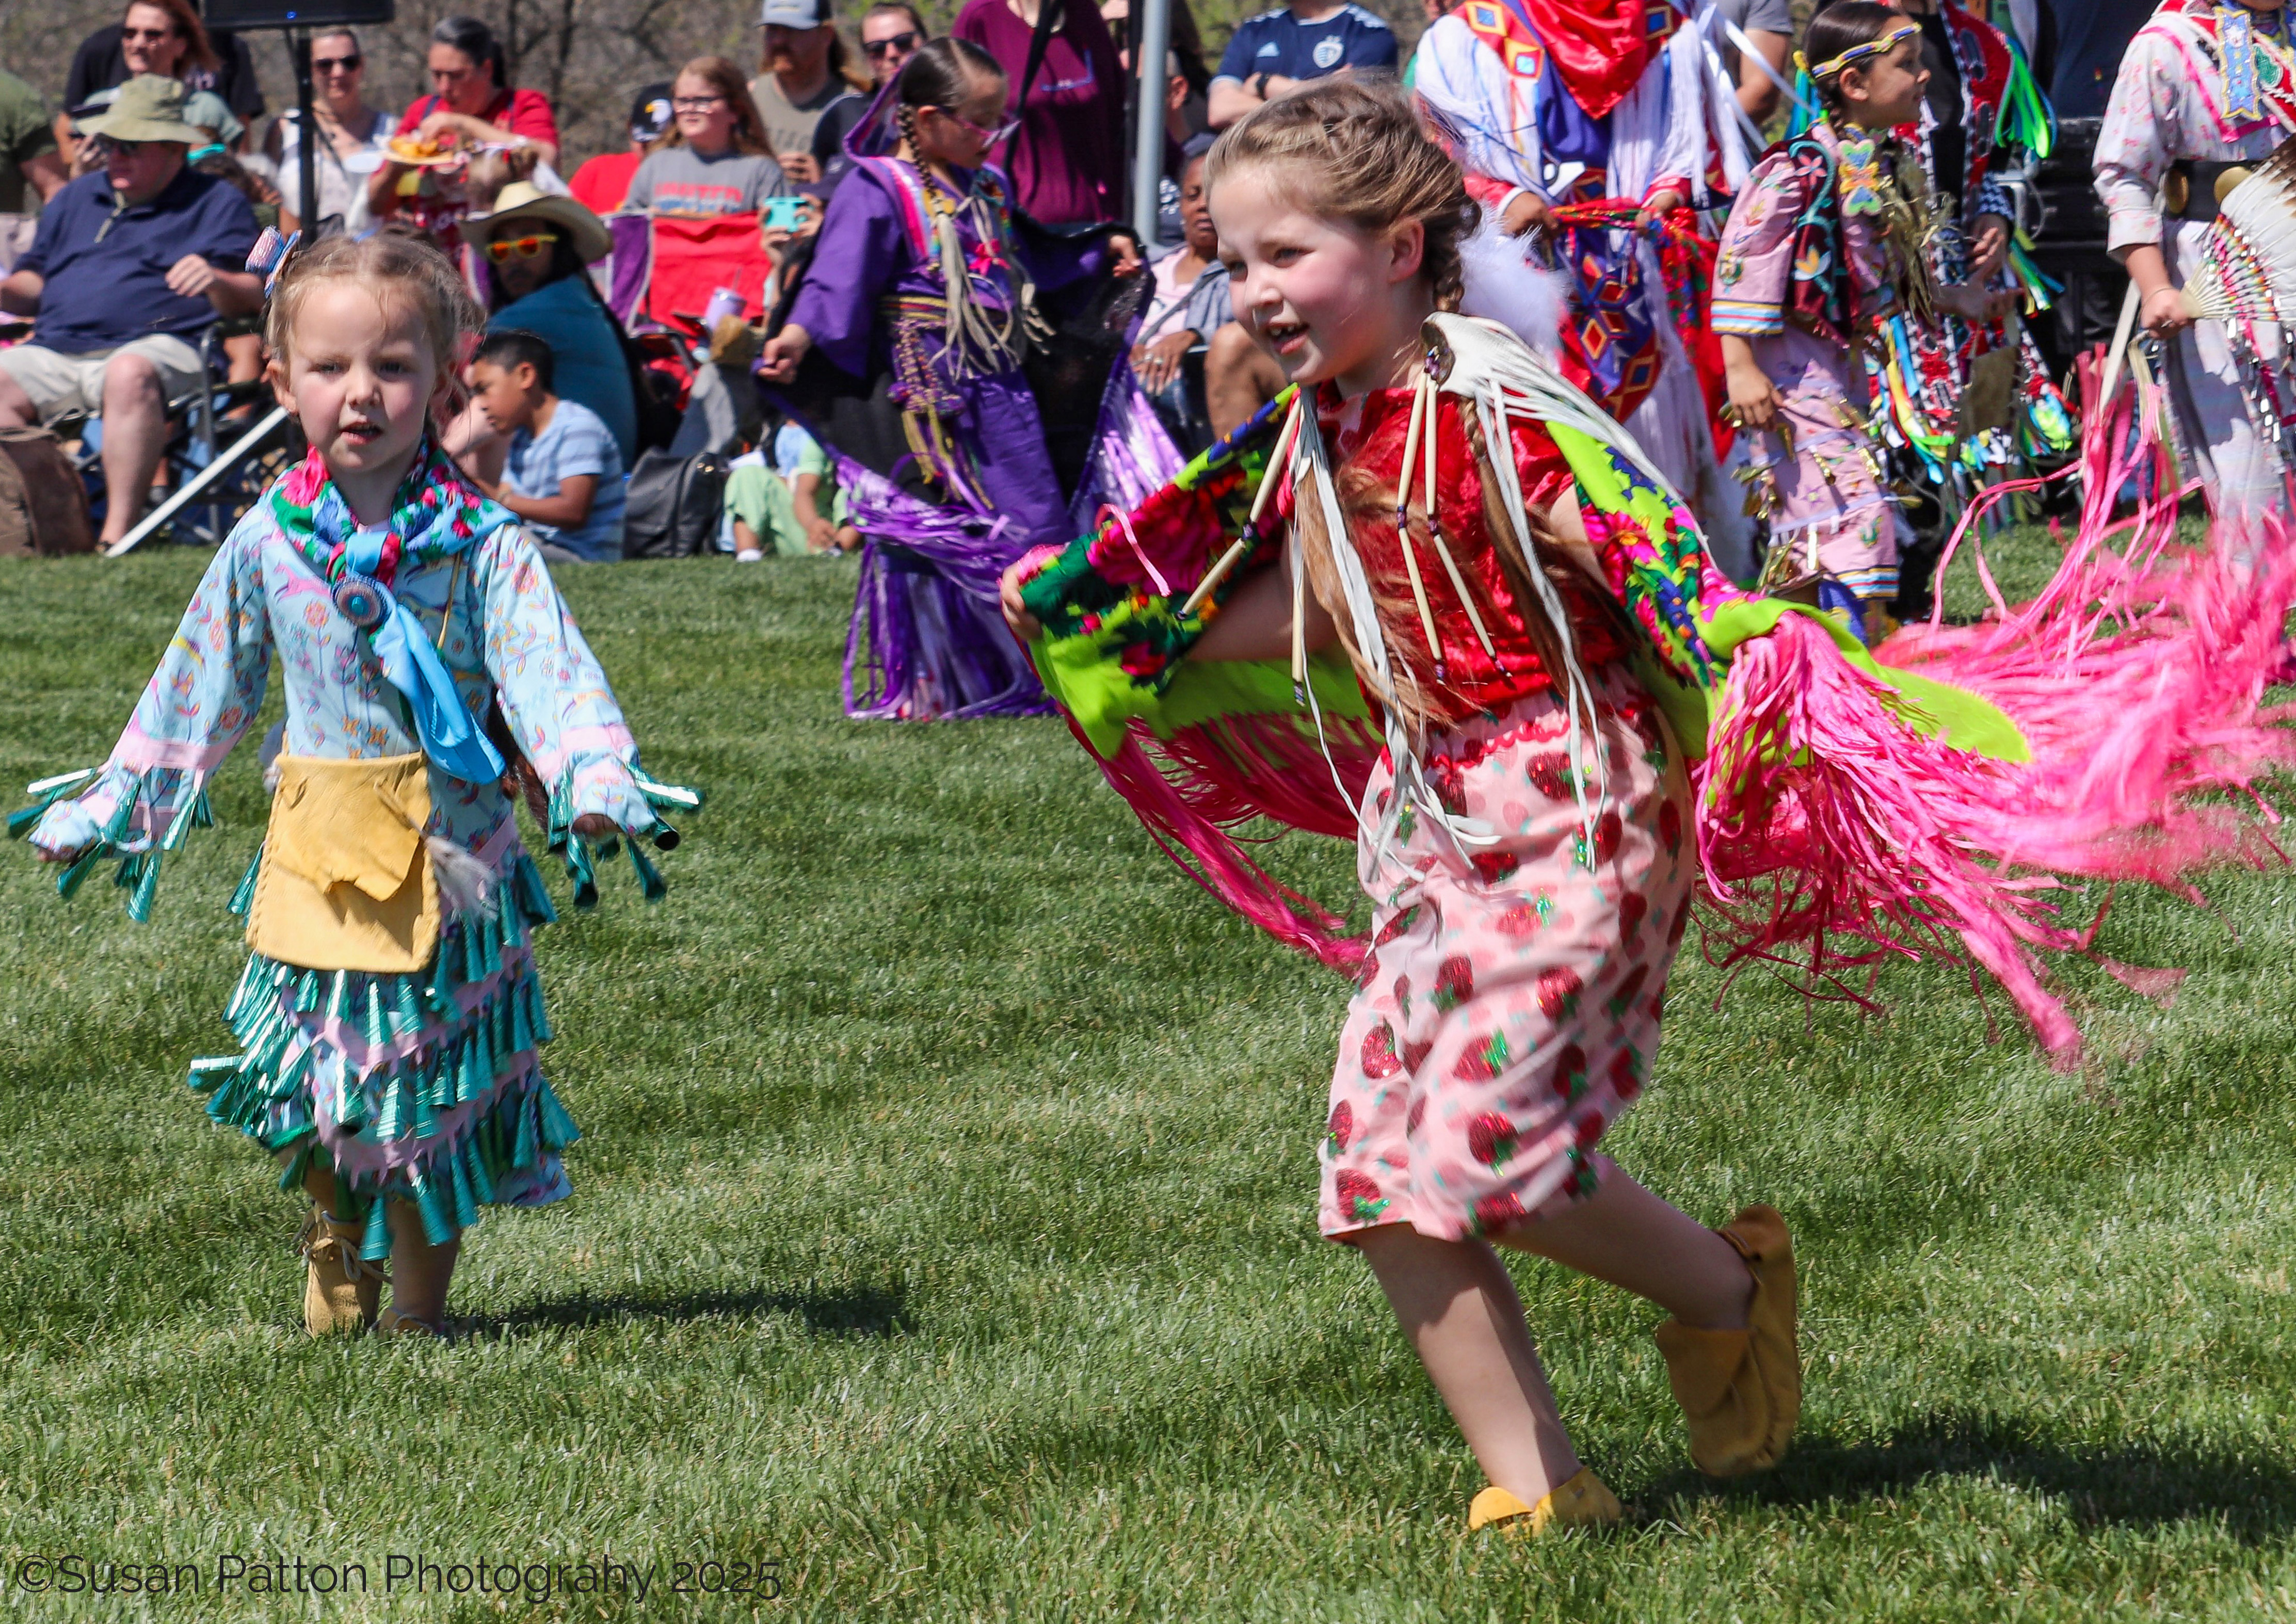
(1132,456)
(928,640)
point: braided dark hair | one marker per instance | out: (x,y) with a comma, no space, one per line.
(941,74)
(1840,28)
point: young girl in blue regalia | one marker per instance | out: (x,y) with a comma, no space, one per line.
(389,1011)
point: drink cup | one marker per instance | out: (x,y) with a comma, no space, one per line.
(723,302)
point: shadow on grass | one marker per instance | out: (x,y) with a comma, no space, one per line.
(2143,1483)
(857,1311)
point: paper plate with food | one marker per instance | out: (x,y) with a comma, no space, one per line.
(418,153)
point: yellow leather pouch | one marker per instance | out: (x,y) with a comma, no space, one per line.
(345,882)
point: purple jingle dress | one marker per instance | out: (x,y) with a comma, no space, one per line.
(927,639)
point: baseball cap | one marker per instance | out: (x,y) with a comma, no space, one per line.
(792,15)
(650,113)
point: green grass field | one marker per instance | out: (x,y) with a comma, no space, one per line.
(944,1229)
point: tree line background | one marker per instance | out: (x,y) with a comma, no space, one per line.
(588,56)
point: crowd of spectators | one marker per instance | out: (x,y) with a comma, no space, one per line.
(124,250)
(473,164)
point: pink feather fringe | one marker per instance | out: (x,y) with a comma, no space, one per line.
(2135,675)
(1832,835)
(1195,788)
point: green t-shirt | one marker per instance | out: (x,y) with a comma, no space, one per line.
(24,134)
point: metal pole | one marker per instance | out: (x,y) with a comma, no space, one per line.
(307,148)
(192,488)
(1151,42)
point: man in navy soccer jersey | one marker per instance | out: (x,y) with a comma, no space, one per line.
(1307,39)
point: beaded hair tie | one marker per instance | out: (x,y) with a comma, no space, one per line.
(1857,54)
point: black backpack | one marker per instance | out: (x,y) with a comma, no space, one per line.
(675,505)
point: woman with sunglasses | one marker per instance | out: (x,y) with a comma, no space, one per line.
(351,137)
(167,38)
(715,160)
(917,306)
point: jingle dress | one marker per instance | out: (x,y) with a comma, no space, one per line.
(1802,278)
(2188,94)
(424,1084)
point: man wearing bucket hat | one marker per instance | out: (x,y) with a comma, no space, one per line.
(538,248)
(129,265)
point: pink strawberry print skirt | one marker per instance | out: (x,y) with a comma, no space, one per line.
(1509,1011)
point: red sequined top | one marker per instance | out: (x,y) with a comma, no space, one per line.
(1366,439)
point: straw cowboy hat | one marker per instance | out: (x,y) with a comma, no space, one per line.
(522,201)
(147,108)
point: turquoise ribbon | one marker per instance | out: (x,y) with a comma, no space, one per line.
(413,666)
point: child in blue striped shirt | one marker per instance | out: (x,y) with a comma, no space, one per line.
(565,475)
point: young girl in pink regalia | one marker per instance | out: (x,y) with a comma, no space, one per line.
(1509,1012)
(1563,722)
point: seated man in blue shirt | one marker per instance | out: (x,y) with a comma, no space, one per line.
(1306,39)
(125,267)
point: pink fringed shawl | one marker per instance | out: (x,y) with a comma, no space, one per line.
(1836,830)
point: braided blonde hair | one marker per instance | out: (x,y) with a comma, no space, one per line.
(1357,154)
